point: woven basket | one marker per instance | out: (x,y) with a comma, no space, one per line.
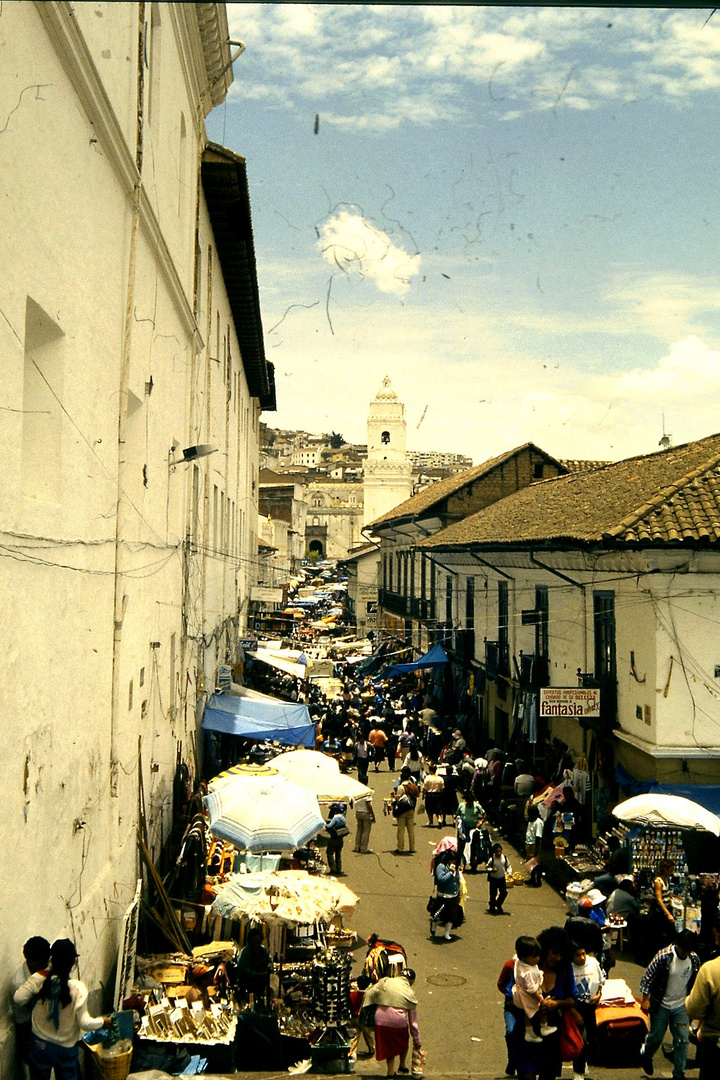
(99,1067)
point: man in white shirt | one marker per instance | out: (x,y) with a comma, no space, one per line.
(664,986)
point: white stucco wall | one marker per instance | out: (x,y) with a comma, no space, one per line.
(665,644)
(81,689)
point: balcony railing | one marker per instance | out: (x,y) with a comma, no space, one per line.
(393,602)
(534,671)
(409,606)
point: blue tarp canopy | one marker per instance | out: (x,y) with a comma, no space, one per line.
(435,658)
(707,795)
(258,716)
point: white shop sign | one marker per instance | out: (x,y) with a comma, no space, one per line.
(569,701)
(266,594)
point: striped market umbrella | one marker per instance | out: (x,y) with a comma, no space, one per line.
(263,813)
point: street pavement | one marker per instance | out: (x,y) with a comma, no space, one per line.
(460,1010)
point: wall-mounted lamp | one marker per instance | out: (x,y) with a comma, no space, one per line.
(176,456)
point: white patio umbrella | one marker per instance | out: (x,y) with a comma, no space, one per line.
(319,773)
(263,812)
(669,810)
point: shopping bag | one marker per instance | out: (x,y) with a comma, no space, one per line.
(571,1040)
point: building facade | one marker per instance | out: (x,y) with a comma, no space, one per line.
(411,603)
(133,381)
(605,582)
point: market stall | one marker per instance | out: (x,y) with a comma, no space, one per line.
(258,716)
(262,975)
(683,833)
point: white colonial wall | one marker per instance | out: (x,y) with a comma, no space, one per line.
(96,591)
(667,622)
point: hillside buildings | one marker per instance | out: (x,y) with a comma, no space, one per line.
(347,484)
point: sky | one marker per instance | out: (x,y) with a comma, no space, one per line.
(510,211)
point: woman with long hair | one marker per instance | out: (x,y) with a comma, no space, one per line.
(59,1016)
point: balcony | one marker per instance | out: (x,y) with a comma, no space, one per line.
(497,659)
(423,610)
(410,607)
(534,671)
(394,603)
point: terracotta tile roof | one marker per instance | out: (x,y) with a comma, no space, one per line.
(668,497)
(434,494)
(576,465)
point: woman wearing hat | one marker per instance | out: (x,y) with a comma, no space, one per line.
(59,1016)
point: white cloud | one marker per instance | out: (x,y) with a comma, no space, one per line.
(352,244)
(690,372)
(336,55)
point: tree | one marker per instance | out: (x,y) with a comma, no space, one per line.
(336,440)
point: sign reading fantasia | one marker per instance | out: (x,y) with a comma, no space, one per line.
(569,701)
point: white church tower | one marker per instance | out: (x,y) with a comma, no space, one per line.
(387,479)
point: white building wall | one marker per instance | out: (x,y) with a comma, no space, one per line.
(668,696)
(93,625)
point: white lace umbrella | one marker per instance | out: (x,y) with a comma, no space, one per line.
(669,810)
(292,897)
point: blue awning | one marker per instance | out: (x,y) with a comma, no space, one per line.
(258,716)
(436,657)
(707,795)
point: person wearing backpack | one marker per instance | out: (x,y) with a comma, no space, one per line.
(404,799)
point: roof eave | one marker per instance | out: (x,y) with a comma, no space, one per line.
(224,179)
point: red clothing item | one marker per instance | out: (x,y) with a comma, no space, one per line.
(356,1000)
(377,738)
(505,975)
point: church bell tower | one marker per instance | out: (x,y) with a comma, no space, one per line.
(387,479)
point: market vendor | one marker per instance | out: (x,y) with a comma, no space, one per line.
(663,918)
(254,967)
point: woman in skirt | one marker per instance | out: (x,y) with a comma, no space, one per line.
(396,1022)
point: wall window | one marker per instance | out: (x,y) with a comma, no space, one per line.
(604,624)
(449,600)
(541,626)
(503,628)
(43,372)
(385,438)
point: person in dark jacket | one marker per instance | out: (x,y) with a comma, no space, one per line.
(666,983)
(336,829)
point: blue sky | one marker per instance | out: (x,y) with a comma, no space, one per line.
(513,212)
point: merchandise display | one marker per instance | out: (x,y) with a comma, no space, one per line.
(654,844)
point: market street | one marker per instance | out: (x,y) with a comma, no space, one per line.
(460,1010)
